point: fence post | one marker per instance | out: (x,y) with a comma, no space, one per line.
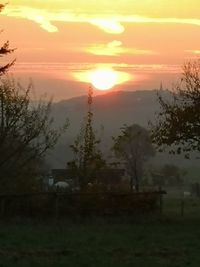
(182,206)
(30,209)
(3,206)
(160,201)
(56,205)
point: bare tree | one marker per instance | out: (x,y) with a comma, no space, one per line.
(134,147)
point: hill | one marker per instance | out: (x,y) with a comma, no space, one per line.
(111,112)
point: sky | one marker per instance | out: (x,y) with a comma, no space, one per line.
(59,44)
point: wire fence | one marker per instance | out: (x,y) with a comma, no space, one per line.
(109,204)
(181,206)
(59,205)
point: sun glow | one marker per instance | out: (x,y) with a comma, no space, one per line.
(103,78)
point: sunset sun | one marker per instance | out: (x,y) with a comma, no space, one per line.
(103,79)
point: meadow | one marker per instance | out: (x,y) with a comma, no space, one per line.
(171,240)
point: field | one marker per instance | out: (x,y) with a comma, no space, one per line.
(170,239)
(153,243)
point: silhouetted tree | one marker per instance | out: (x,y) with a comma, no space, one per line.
(88,160)
(134,147)
(26,132)
(4,50)
(178,122)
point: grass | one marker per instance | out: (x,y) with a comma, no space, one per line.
(175,207)
(172,240)
(167,243)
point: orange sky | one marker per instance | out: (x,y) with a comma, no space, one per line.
(59,41)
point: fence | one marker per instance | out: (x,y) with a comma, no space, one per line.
(181,206)
(58,205)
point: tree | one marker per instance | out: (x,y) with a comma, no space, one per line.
(178,122)
(4,50)
(88,160)
(134,147)
(26,133)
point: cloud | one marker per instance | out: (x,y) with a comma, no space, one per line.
(46,18)
(108,25)
(110,22)
(194,52)
(69,68)
(115,48)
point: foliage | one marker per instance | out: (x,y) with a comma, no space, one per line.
(4,50)
(178,122)
(134,147)
(88,159)
(26,133)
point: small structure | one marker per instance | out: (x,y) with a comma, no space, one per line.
(62,186)
(62,178)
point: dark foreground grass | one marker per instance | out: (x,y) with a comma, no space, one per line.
(99,244)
